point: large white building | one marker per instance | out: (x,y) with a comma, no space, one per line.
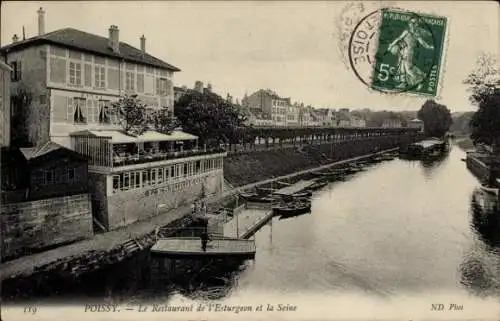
(73,76)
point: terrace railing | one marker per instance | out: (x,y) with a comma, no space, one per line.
(140,159)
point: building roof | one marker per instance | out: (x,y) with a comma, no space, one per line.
(80,40)
(416,120)
(118,137)
(40,150)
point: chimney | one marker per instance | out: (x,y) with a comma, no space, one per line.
(15,38)
(198,86)
(41,21)
(143,43)
(114,40)
(209,87)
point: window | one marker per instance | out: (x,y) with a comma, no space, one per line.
(116,183)
(49,176)
(161,86)
(129,80)
(75,73)
(100,77)
(153,176)
(126,181)
(15,74)
(79,114)
(146,178)
(103,112)
(70,174)
(160,176)
(136,180)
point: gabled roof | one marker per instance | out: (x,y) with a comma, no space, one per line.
(80,40)
(40,150)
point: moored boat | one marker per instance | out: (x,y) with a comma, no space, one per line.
(303,194)
(323,174)
(294,208)
(385,157)
(317,186)
(489,190)
(254,197)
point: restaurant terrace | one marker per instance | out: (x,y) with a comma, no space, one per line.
(113,148)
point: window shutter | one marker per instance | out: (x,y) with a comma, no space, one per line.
(88,75)
(140,83)
(90,111)
(13,73)
(70,111)
(169,87)
(19,70)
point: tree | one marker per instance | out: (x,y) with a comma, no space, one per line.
(485,122)
(163,121)
(213,119)
(436,117)
(131,114)
(484,82)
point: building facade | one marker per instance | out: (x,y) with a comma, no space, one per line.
(73,76)
(391,123)
(416,123)
(135,178)
(267,105)
(5,75)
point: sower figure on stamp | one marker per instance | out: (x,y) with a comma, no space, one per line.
(404,47)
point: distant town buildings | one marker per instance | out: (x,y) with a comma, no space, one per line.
(267,108)
(391,123)
(416,123)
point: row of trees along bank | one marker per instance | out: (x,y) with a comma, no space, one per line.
(484,85)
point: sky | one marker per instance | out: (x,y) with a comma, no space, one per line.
(290,47)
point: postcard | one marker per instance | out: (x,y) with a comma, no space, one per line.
(250,160)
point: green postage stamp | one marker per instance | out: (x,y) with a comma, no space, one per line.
(409,53)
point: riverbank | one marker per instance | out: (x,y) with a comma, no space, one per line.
(251,167)
(115,246)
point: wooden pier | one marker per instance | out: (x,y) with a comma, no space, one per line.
(295,188)
(190,247)
(257,224)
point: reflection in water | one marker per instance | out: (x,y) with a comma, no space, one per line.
(486,218)
(431,165)
(481,268)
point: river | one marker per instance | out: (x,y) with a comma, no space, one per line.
(389,242)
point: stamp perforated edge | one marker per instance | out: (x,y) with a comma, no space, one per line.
(444,55)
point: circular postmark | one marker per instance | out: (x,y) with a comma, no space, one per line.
(393,51)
